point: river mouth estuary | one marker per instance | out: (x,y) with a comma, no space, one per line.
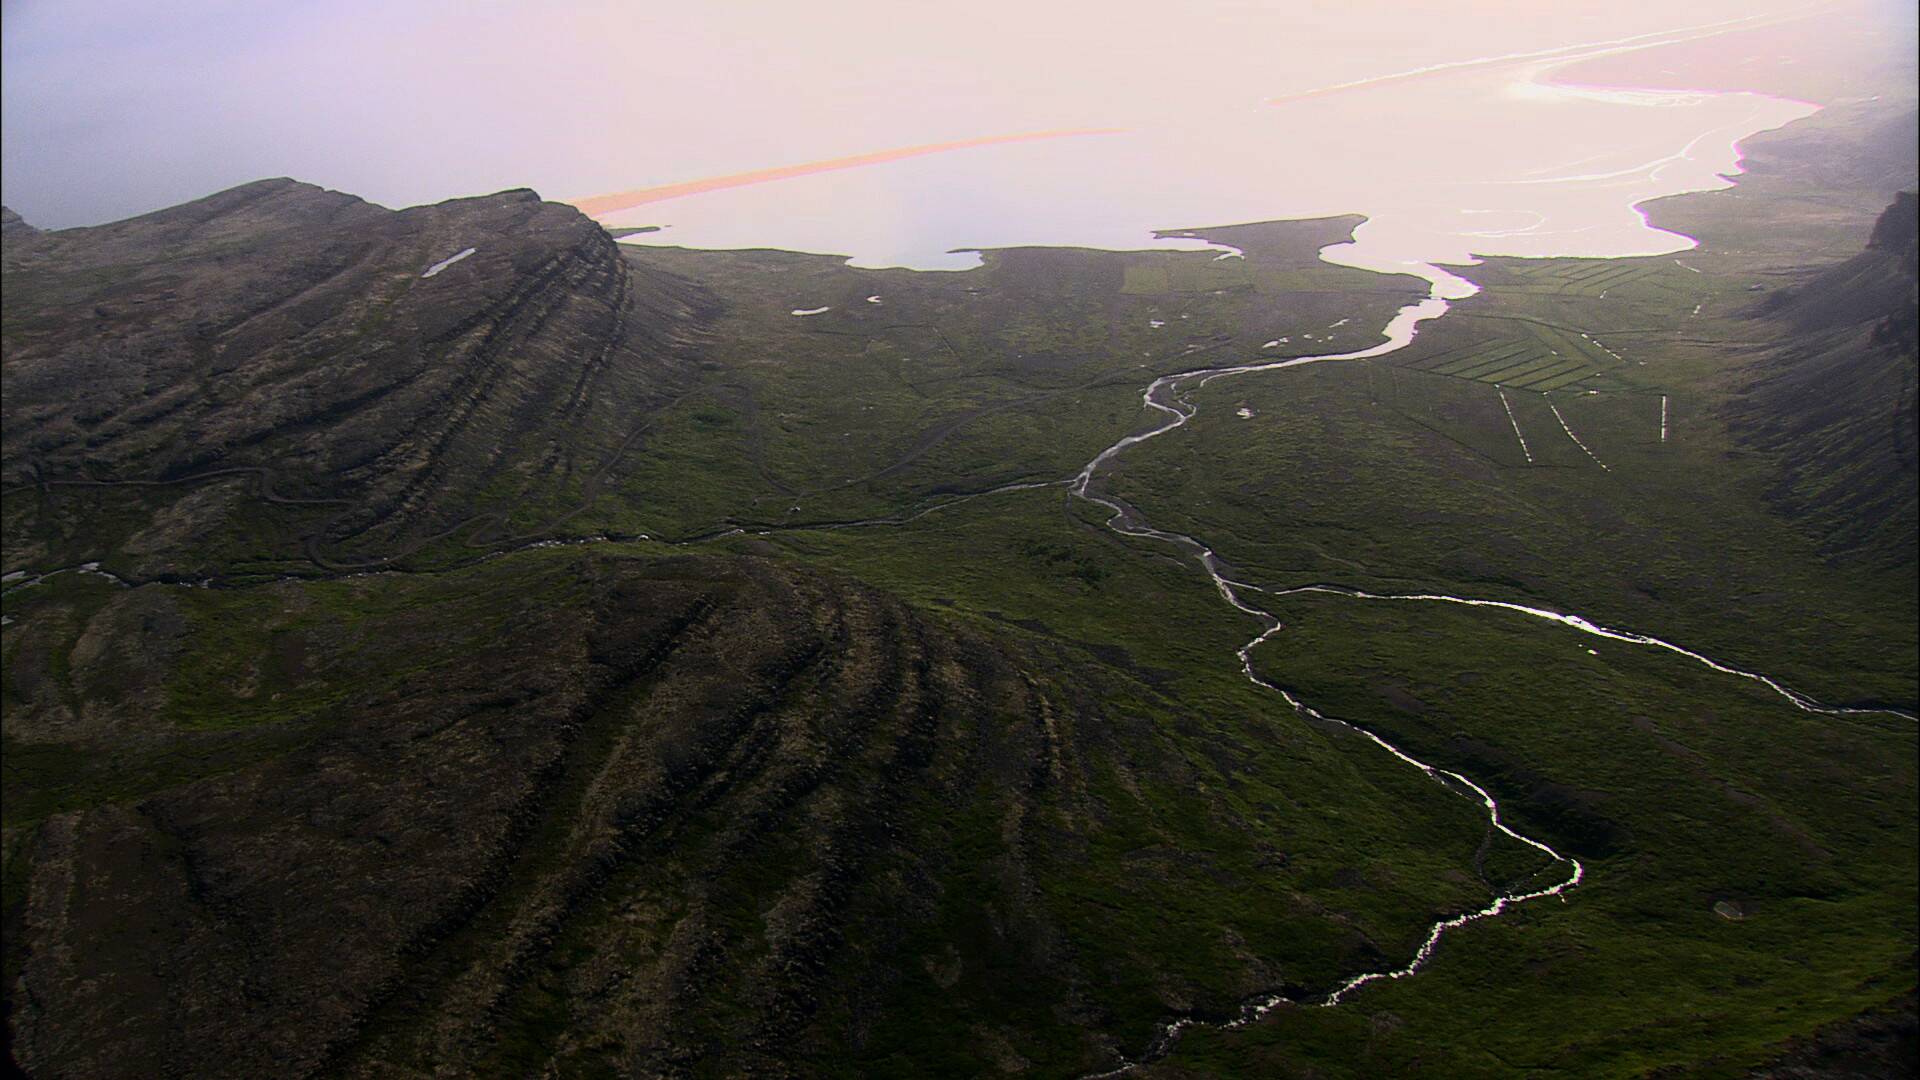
(1498,155)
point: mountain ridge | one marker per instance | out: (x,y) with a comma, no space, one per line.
(281,327)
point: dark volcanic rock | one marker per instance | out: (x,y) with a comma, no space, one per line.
(561,811)
(292,332)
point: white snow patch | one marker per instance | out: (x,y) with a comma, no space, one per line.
(444,263)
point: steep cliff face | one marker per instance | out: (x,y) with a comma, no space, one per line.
(1896,239)
(328,346)
(1836,403)
(1875,287)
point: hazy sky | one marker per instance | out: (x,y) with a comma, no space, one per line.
(115,108)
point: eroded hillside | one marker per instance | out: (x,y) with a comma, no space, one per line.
(655,815)
(284,343)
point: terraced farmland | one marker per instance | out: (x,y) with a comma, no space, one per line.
(1594,278)
(1202,273)
(1532,356)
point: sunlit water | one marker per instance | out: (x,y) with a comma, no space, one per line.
(1507,156)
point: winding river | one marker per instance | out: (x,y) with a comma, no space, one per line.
(1165,397)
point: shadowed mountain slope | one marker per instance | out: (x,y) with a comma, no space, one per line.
(585,796)
(1836,402)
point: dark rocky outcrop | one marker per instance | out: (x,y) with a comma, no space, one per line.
(13,226)
(292,331)
(1875,287)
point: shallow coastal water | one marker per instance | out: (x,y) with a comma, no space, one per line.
(1501,156)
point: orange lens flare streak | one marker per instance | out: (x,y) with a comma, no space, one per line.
(600,205)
